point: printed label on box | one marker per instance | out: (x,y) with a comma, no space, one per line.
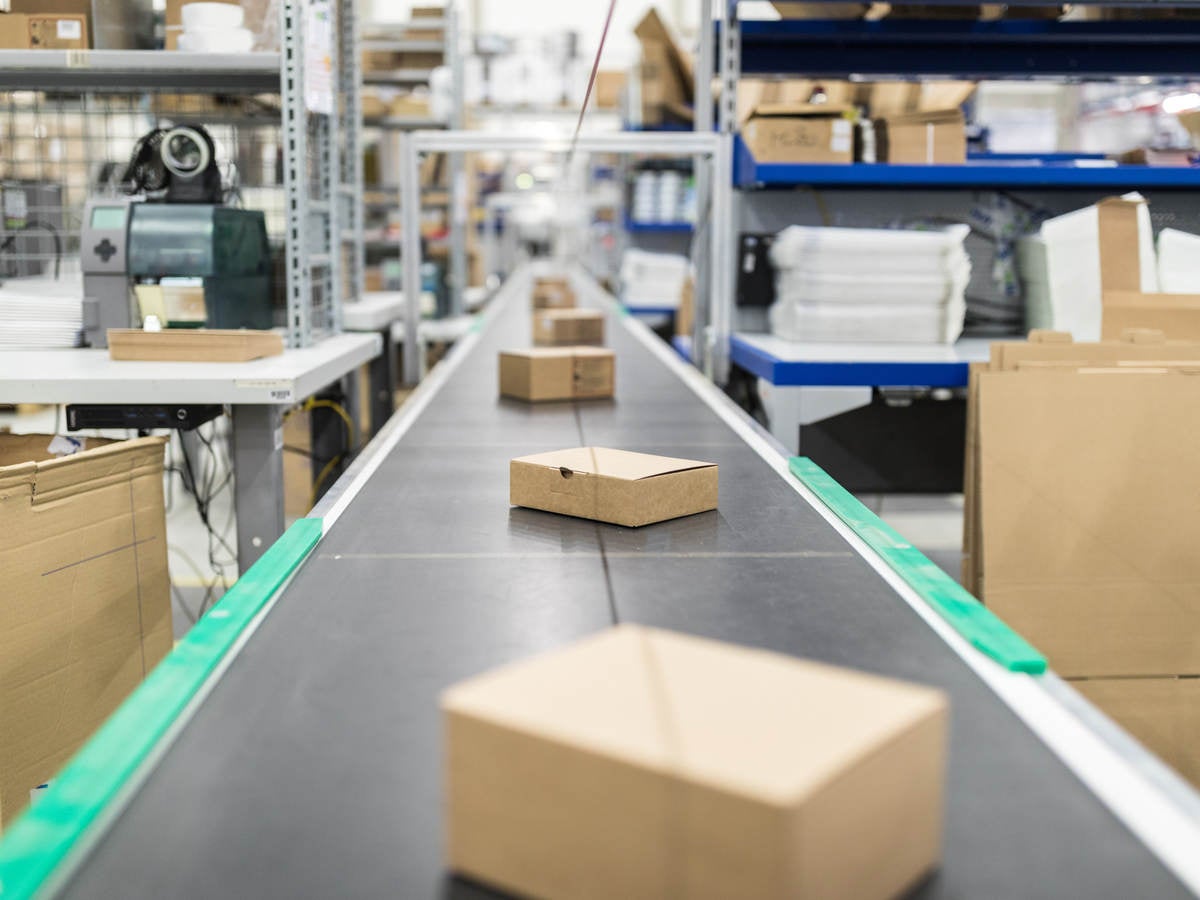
(840,136)
(70,29)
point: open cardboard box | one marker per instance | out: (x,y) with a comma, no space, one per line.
(644,763)
(1124,305)
(614,486)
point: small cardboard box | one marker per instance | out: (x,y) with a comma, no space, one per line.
(564,327)
(43,31)
(644,763)
(569,373)
(193,344)
(929,137)
(553,293)
(1123,304)
(614,486)
(1162,713)
(84,601)
(788,132)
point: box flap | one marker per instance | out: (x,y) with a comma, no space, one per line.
(567,352)
(1120,267)
(610,463)
(751,721)
(652,29)
(925,117)
(802,110)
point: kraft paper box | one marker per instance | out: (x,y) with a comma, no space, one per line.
(640,763)
(564,327)
(931,137)
(615,486)
(785,133)
(568,373)
(553,293)
(1162,713)
(43,31)
(84,600)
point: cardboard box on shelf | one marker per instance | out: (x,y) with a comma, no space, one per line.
(562,327)
(566,373)
(614,486)
(85,601)
(43,31)
(609,85)
(935,136)
(801,133)
(788,9)
(553,293)
(1124,306)
(644,763)
(685,314)
(1162,713)
(752,92)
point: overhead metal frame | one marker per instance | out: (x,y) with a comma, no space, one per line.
(702,145)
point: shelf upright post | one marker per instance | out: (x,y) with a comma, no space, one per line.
(410,253)
(704,171)
(350,201)
(295,171)
(713,332)
(458,213)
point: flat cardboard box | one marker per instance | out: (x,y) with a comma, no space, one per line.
(614,486)
(43,31)
(931,137)
(641,763)
(1088,549)
(1124,305)
(794,133)
(1162,713)
(567,373)
(553,293)
(566,327)
(85,599)
(193,344)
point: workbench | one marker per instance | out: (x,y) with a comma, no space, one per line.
(291,745)
(257,392)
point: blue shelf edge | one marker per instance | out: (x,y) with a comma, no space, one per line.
(1043,174)
(683,346)
(650,310)
(658,227)
(785,373)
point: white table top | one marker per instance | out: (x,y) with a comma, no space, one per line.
(374,312)
(966,350)
(89,376)
(437,330)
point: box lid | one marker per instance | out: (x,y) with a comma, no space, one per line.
(571,313)
(802,111)
(925,117)
(758,723)
(610,463)
(558,352)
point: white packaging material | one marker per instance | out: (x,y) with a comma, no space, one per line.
(653,279)
(878,250)
(887,324)
(1178,262)
(40,314)
(935,290)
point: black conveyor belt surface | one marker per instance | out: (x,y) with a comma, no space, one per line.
(312,769)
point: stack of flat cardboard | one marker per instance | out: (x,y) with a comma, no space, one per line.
(85,599)
(643,763)
(1080,530)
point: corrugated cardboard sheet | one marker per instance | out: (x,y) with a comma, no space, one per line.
(568,373)
(645,764)
(84,599)
(615,486)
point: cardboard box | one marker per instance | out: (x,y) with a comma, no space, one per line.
(794,10)
(566,327)
(1124,305)
(1074,530)
(553,293)
(1162,713)
(85,599)
(193,344)
(935,136)
(640,763)
(821,133)
(111,24)
(685,315)
(44,31)
(569,373)
(609,85)
(614,486)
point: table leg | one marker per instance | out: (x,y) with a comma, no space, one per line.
(383,383)
(257,479)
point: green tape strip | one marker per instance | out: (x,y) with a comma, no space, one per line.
(41,839)
(979,625)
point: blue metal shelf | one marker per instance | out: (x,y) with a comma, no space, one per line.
(683,346)
(866,372)
(1007,49)
(1051,174)
(658,227)
(650,310)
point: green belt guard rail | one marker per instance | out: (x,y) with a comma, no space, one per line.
(40,840)
(980,626)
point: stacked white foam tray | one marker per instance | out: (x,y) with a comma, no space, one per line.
(37,314)
(868,284)
(652,279)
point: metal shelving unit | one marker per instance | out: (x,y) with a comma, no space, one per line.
(319,121)
(891,48)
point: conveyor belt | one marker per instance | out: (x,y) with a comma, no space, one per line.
(312,768)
